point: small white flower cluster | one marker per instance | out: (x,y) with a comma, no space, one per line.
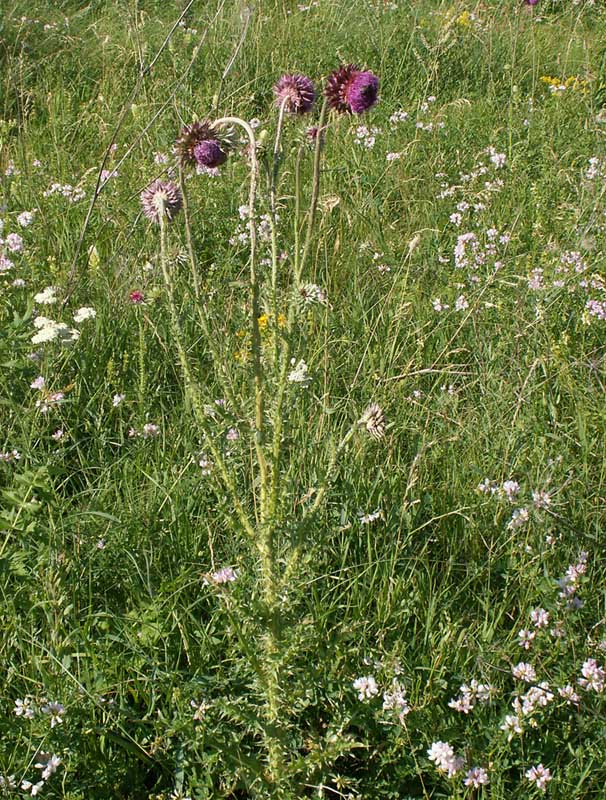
(394,699)
(569,583)
(84,313)
(540,776)
(10,456)
(366,687)
(596,168)
(593,676)
(311,293)
(149,431)
(221,576)
(443,756)
(48,764)
(471,695)
(366,137)
(48,330)
(72,193)
(25,708)
(299,374)
(242,232)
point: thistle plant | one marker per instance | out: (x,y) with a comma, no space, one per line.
(263,515)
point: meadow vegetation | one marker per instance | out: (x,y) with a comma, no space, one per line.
(302,466)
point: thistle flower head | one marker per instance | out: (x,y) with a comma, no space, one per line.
(296,92)
(201,143)
(161,197)
(210,154)
(373,420)
(363,92)
(350,89)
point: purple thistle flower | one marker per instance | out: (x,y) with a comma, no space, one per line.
(531,2)
(161,197)
(296,92)
(362,92)
(350,89)
(190,152)
(210,154)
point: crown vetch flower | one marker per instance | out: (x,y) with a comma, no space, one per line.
(161,197)
(296,92)
(201,143)
(350,89)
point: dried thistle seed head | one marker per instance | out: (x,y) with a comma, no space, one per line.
(373,420)
(161,197)
(201,142)
(296,92)
(350,89)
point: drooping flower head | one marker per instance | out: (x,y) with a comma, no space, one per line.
(161,197)
(210,154)
(202,144)
(296,92)
(350,89)
(373,420)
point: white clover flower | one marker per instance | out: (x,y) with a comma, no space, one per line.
(512,726)
(48,763)
(117,399)
(25,218)
(84,313)
(539,617)
(519,518)
(526,637)
(395,699)
(442,754)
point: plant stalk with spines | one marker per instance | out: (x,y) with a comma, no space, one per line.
(192,391)
(299,262)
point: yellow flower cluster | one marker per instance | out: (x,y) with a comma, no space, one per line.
(561,85)
(264,323)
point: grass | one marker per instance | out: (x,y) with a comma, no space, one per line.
(172,687)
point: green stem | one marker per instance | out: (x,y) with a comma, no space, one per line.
(255,313)
(295,554)
(142,372)
(273,181)
(290,321)
(192,390)
(188,236)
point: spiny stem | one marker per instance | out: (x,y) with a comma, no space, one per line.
(255,313)
(295,553)
(188,236)
(191,388)
(273,180)
(290,321)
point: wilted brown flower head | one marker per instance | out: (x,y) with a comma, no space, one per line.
(373,420)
